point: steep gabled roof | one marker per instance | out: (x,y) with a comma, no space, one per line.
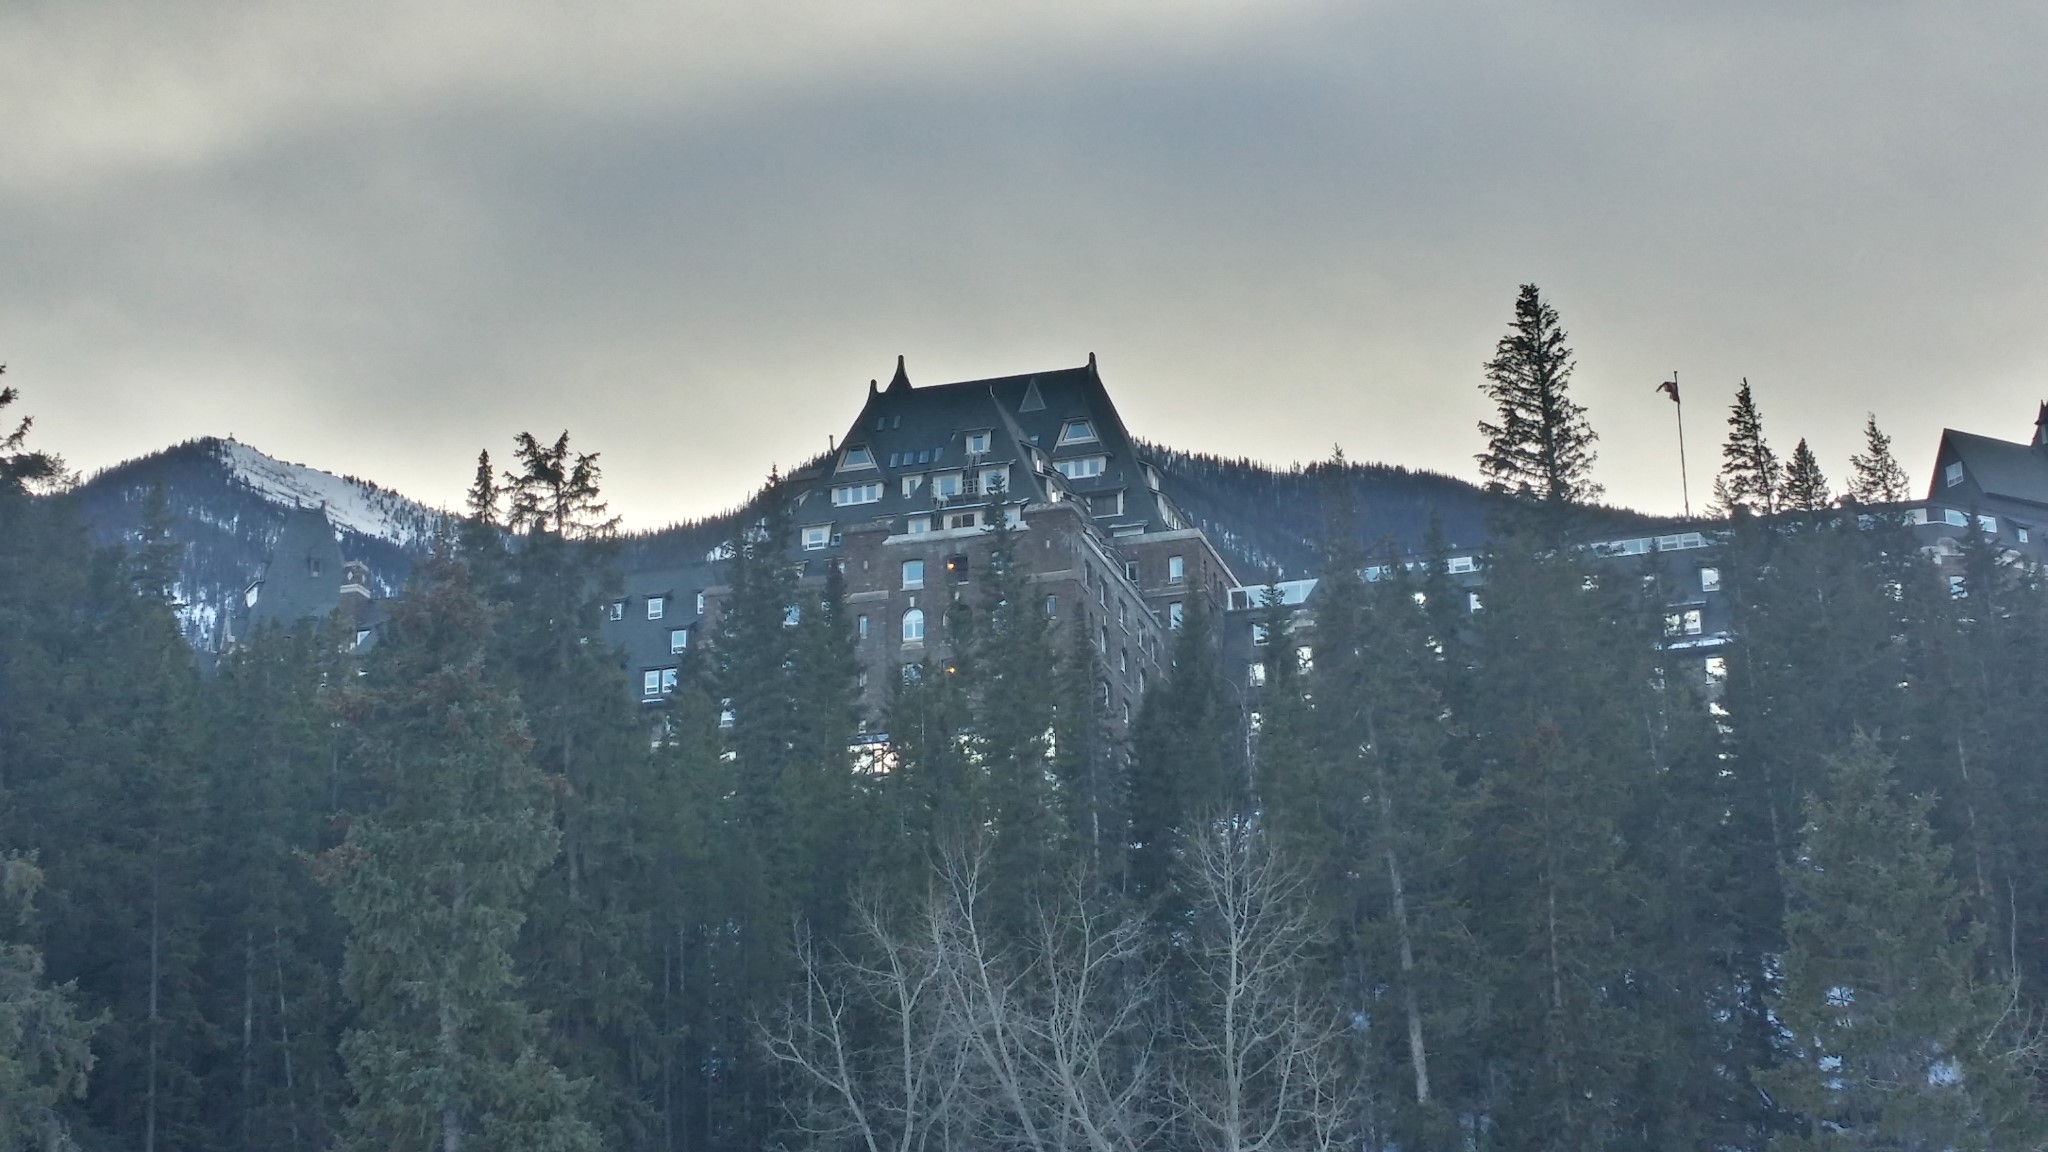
(302,579)
(1999,467)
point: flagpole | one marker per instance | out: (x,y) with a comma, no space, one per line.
(1684,484)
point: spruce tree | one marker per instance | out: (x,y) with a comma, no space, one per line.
(45,1043)
(432,882)
(1805,489)
(1875,476)
(1540,445)
(1893,1042)
(1751,477)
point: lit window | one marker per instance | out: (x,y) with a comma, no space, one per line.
(847,494)
(617,610)
(1175,613)
(860,627)
(1260,634)
(956,569)
(1076,432)
(977,443)
(1710,579)
(913,626)
(1176,569)
(1305,658)
(1255,674)
(817,536)
(657,606)
(918,525)
(857,457)
(678,639)
(995,479)
(946,485)
(1953,474)
(1082,468)
(913,573)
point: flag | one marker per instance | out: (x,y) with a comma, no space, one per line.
(1669,388)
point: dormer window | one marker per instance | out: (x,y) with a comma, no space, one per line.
(996,479)
(657,607)
(857,456)
(946,485)
(912,483)
(817,536)
(847,494)
(1081,468)
(977,443)
(918,525)
(1077,432)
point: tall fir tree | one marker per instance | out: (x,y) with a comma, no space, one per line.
(1540,444)
(1751,477)
(1875,476)
(1805,488)
(45,1043)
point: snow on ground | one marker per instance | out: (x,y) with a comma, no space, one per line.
(351,504)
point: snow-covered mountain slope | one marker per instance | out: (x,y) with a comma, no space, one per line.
(227,502)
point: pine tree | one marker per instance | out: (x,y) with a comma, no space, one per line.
(1186,768)
(45,1044)
(1876,477)
(433,882)
(1751,477)
(1541,446)
(1893,1042)
(1805,489)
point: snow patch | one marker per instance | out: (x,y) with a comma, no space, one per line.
(352,505)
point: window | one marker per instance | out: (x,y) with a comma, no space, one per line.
(1102,640)
(995,479)
(362,639)
(1123,619)
(1260,634)
(725,716)
(1131,571)
(1082,468)
(912,483)
(918,525)
(857,457)
(1954,517)
(1305,658)
(657,607)
(2020,530)
(678,639)
(1123,661)
(977,443)
(792,616)
(946,485)
(1710,579)
(617,610)
(912,673)
(1106,503)
(1988,524)
(658,682)
(1957,590)
(913,573)
(1953,474)
(1717,668)
(700,603)
(668,681)
(956,569)
(1472,603)
(1127,711)
(913,626)
(962,520)
(1105,693)
(1255,675)
(312,566)
(1462,564)
(1686,623)
(817,536)
(1077,432)
(1141,681)
(860,626)
(1052,605)
(1175,613)
(847,494)
(1176,569)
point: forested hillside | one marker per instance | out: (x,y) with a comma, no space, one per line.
(1514,879)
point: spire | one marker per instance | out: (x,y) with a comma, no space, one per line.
(900,381)
(2041,427)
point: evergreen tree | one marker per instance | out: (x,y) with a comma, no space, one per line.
(1805,489)
(1875,476)
(1540,446)
(45,1044)
(1893,1042)
(1751,477)
(432,882)
(1185,767)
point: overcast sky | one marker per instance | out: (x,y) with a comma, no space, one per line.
(375,237)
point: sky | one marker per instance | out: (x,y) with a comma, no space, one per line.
(377,237)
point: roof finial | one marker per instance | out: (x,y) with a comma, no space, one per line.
(871,387)
(902,378)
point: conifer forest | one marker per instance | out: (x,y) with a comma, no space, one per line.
(1510,879)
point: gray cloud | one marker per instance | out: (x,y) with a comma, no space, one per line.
(379,242)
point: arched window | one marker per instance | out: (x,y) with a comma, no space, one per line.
(913,626)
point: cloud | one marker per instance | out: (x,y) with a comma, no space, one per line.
(377,238)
